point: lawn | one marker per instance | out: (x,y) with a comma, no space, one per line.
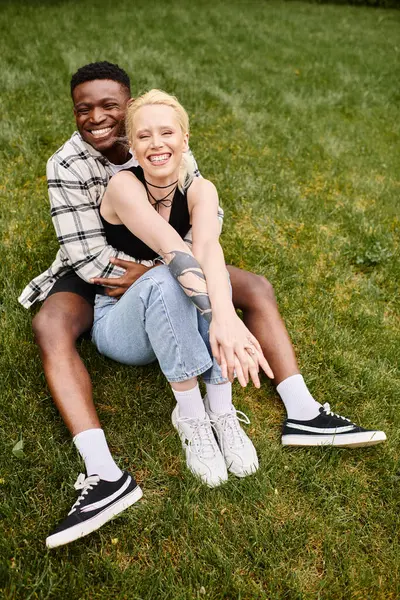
(294,113)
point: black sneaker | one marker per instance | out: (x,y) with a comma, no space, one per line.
(99,501)
(328,429)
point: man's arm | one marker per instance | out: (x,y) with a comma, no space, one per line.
(76,219)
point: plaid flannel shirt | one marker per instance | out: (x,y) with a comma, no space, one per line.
(77,177)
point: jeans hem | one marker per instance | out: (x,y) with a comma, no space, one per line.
(215,380)
(190,375)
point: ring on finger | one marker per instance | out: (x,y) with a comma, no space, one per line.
(250,349)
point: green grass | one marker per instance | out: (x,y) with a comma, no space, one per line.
(294,112)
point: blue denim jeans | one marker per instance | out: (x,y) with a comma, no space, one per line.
(155,320)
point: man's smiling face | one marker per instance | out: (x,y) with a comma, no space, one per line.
(99,108)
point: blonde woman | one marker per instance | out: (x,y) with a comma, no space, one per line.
(180,312)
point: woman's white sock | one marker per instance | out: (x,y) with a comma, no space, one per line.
(190,403)
(298,401)
(220,397)
(93,448)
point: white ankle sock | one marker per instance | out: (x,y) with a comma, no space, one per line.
(93,448)
(220,397)
(299,403)
(190,403)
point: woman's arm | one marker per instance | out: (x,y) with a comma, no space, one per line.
(203,207)
(229,337)
(126,199)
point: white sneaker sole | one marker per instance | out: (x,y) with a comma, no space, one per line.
(238,469)
(343,440)
(242,472)
(82,529)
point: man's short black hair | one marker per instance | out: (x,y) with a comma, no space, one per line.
(100,70)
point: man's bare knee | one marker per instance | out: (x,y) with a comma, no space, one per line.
(39,326)
(250,291)
(50,329)
(259,291)
(61,320)
(264,288)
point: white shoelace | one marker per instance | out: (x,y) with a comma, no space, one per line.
(202,443)
(85,484)
(231,427)
(328,411)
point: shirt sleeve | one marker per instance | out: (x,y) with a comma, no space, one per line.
(196,170)
(76,219)
(188,236)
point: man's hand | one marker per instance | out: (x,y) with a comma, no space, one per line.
(117,286)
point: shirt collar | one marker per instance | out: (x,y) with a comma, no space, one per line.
(95,153)
(89,149)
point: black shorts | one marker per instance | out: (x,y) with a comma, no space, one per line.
(71,282)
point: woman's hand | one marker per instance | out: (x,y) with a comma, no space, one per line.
(237,350)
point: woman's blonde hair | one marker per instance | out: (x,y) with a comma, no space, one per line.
(187,167)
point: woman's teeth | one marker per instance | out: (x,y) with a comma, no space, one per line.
(159,158)
(100,132)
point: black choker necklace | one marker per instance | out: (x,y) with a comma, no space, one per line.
(165,201)
(161,187)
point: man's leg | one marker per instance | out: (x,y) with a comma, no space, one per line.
(255,297)
(308,423)
(64,317)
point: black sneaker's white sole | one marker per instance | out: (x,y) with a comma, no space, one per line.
(86,527)
(343,440)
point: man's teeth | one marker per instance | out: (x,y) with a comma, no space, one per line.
(159,158)
(99,132)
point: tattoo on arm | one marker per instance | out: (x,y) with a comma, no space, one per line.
(187,271)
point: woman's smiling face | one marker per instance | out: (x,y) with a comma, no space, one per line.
(158,140)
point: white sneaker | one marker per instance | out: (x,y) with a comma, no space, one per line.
(236,447)
(203,457)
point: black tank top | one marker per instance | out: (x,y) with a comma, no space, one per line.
(123,240)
